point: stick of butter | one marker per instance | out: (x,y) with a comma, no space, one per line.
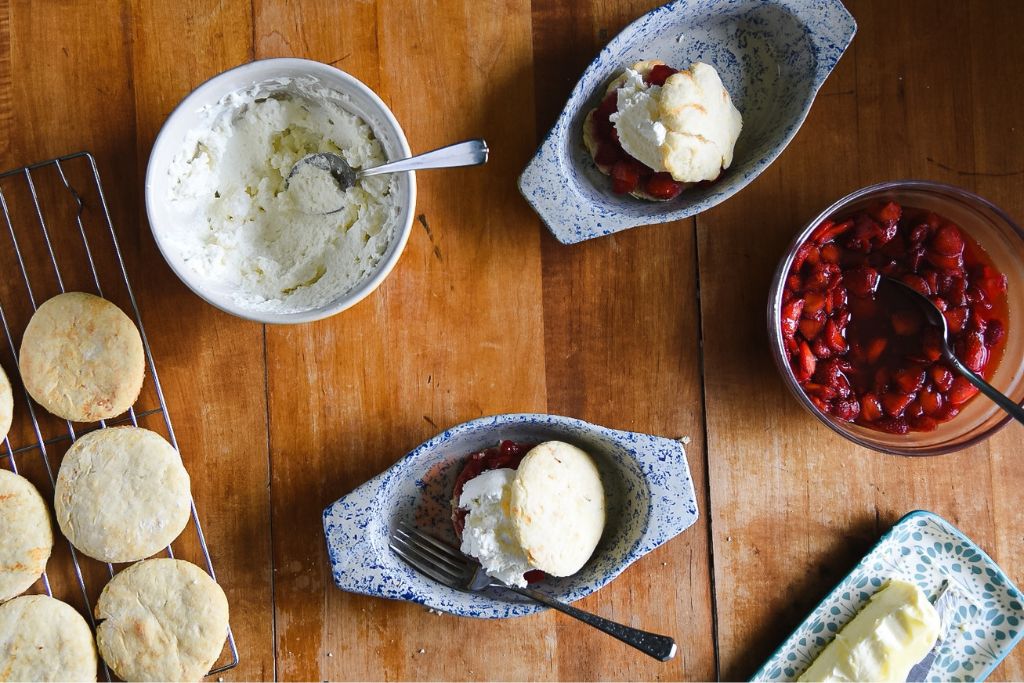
(893,632)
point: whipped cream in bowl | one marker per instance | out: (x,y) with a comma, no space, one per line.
(243,238)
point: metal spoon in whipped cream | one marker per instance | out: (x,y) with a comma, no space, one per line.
(315,173)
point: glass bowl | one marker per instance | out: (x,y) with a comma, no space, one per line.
(1003,241)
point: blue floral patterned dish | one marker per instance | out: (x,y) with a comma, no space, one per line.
(772,55)
(926,549)
(649,500)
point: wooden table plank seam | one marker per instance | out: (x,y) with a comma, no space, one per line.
(708,512)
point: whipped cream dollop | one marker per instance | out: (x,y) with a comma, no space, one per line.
(240,229)
(687,127)
(637,120)
(490,534)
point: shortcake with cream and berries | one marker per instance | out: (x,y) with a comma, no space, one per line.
(659,130)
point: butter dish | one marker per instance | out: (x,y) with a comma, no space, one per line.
(649,498)
(924,549)
(772,55)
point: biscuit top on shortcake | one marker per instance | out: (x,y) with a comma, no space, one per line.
(688,126)
(547,514)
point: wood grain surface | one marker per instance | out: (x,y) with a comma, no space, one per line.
(658,329)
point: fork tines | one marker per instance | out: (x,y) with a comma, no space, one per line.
(432,557)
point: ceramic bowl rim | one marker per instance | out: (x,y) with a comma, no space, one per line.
(340,81)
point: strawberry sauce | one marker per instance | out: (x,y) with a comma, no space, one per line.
(863,353)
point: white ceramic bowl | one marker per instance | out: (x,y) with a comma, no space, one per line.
(188,115)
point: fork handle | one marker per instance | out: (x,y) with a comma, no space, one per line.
(660,647)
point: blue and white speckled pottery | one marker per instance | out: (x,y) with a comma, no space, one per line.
(650,499)
(772,55)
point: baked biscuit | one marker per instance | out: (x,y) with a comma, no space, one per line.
(557,507)
(122,494)
(44,639)
(161,620)
(81,358)
(26,538)
(6,405)
(703,123)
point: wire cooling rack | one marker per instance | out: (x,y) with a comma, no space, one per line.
(56,214)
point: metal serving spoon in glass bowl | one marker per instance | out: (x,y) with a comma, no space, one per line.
(467,153)
(934,317)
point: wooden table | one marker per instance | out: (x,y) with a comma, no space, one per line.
(487,313)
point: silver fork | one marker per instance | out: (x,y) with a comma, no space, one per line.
(449,566)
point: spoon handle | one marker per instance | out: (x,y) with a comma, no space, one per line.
(468,153)
(660,647)
(1001,399)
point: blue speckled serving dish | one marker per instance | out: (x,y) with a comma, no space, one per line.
(926,549)
(649,498)
(772,55)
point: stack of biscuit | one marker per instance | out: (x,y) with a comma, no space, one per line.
(82,359)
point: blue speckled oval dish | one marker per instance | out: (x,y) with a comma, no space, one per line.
(772,55)
(927,550)
(649,498)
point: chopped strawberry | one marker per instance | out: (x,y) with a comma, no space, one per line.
(814,303)
(909,380)
(942,377)
(659,73)
(829,230)
(895,403)
(871,408)
(961,391)
(949,263)
(948,241)
(931,401)
(834,337)
(889,212)
(831,252)
(975,353)
(801,255)
(862,281)
(918,283)
(955,318)
(608,154)
(820,390)
(807,361)
(875,349)
(790,316)
(993,283)
(846,409)
(662,186)
(625,176)
(809,328)
(994,333)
